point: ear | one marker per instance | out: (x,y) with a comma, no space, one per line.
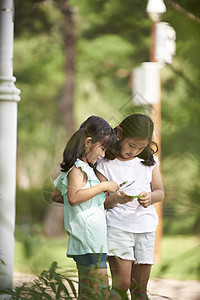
(88,142)
(119,133)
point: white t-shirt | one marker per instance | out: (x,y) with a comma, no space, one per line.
(131,217)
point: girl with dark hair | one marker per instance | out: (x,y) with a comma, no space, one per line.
(84,198)
(131,216)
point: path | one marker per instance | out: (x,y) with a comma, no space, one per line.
(159,289)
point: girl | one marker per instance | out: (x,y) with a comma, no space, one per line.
(132,221)
(84,196)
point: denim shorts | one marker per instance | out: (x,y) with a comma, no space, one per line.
(138,247)
(89,261)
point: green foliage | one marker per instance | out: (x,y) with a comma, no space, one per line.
(180,128)
(191,6)
(48,285)
(123,18)
(32,17)
(180,259)
(33,252)
(30,206)
(182,197)
(53,285)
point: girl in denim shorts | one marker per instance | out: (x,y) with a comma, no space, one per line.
(131,216)
(84,197)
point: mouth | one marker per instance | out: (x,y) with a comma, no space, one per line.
(129,155)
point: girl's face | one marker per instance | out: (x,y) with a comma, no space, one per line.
(132,147)
(94,152)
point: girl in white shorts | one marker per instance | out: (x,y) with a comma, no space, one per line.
(132,221)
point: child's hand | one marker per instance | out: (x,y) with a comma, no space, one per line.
(145,199)
(110,186)
(122,198)
(56,196)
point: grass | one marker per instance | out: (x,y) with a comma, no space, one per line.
(37,254)
(180,257)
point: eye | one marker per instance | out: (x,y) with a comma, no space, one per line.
(132,146)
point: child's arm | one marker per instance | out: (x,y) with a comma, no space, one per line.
(56,196)
(157,191)
(76,182)
(113,200)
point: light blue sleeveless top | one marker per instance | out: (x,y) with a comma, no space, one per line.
(85,223)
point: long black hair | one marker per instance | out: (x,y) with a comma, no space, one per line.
(135,126)
(96,128)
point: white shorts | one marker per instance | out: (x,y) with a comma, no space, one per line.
(138,247)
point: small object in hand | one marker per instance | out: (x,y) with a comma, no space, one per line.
(136,196)
(124,185)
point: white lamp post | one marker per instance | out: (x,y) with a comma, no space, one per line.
(155,10)
(147,84)
(9,96)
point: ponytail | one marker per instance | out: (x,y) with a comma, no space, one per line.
(74,149)
(94,127)
(147,154)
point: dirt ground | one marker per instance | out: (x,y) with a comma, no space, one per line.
(174,289)
(158,289)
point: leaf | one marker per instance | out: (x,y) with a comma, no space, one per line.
(72,286)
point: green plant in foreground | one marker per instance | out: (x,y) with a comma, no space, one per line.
(48,285)
(51,285)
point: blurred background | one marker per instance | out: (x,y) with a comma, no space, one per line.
(73,59)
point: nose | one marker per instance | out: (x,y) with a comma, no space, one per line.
(134,152)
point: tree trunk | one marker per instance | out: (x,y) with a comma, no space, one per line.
(67,94)
(53,221)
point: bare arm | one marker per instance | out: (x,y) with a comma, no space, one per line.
(76,182)
(157,191)
(56,196)
(113,200)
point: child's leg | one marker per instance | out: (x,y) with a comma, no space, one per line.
(139,280)
(121,273)
(144,252)
(92,272)
(91,282)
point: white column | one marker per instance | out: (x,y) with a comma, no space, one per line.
(9,96)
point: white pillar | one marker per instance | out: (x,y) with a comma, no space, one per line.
(9,96)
